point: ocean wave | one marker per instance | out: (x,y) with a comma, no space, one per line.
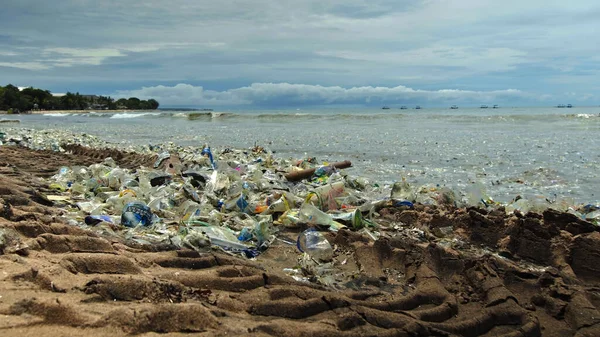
(57,114)
(585,116)
(285,116)
(322,116)
(134,115)
(205,115)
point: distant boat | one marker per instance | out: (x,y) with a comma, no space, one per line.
(561,106)
(454,107)
(418,107)
(569,106)
(483,107)
(385,107)
(495,106)
(403,107)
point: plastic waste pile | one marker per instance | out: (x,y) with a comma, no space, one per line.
(239,201)
(48,139)
(234,200)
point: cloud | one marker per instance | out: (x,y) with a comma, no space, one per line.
(67,57)
(278,94)
(25,65)
(473,60)
(484,45)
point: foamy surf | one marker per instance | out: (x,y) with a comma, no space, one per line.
(56,114)
(134,115)
(208,115)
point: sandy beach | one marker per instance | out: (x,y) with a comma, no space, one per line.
(518,275)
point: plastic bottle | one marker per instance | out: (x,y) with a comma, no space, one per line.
(262,228)
(207,153)
(136,213)
(315,245)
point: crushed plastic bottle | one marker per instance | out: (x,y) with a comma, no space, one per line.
(315,245)
(206,152)
(245,234)
(136,213)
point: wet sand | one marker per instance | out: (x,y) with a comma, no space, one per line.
(495,275)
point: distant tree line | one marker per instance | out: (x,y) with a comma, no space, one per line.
(14,100)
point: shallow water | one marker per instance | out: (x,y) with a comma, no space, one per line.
(531,152)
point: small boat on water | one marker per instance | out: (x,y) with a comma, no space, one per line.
(569,106)
(495,106)
(403,107)
(385,107)
(483,107)
(561,106)
(454,107)
(418,107)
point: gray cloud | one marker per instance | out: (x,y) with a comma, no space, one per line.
(276,94)
(467,44)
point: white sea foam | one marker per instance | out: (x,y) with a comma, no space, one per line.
(134,115)
(57,114)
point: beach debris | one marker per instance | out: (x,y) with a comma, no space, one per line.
(297,175)
(315,245)
(198,241)
(477,195)
(136,213)
(10,242)
(93,220)
(241,200)
(161,157)
(401,190)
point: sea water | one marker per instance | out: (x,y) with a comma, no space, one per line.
(533,152)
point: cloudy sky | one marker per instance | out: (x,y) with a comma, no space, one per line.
(290,53)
